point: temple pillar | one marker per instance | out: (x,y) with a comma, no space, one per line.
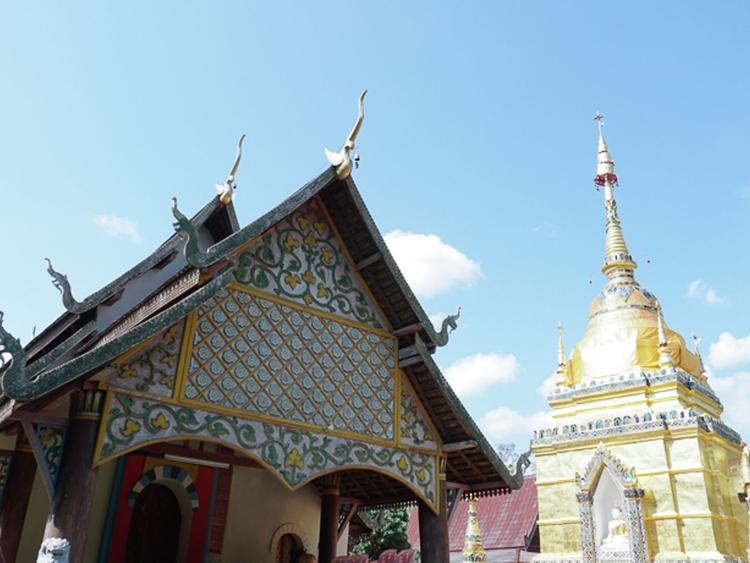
(68,518)
(636,529)
(16,498)
(433,529)
(329,518)
(588,551)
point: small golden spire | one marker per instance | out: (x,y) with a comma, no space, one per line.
(560,378)
(473,548)
(697,352)
(617,258)
(665,357)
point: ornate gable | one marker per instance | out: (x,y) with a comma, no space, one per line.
(303,260)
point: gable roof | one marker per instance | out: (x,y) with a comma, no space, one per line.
(80,350)
(505,521)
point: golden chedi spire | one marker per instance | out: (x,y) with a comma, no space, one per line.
(473,548)
(623,328)
(697,353)
(561,376)
(617,259)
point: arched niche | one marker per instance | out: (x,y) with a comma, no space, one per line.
(293,529)
(607,480)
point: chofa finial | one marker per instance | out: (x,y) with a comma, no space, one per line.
(226,190)
(341,160)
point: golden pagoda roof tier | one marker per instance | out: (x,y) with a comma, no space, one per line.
(623,328)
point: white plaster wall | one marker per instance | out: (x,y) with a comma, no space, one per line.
(105,476)
(258,504)
(33,524)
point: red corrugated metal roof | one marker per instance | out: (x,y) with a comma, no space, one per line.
(504,520)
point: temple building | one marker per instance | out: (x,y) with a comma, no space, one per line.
(237,396)
(639,466)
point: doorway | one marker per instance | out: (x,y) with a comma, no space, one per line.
(155,527)
(290,549)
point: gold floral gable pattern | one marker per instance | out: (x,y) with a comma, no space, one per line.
(295,455)
(415,428)
(152,367)
(252,354)
(302,259)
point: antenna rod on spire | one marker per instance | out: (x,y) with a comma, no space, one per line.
(617,259)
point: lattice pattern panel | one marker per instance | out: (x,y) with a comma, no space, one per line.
(295,455)
(301,259)
(255,355)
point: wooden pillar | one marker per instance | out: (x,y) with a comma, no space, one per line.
(329,518)
(16,498)
(433,529)
(68,518)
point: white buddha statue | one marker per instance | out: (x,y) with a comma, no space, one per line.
(618,531)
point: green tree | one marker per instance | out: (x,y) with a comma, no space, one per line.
(391,534)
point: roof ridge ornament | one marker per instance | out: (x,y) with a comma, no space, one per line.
(10,346)
(184,227)
(225,191)
(60,281)
(341,160)
(449,325)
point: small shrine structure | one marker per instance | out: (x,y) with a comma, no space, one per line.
(639,466)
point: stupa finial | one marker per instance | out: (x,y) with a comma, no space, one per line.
(560,378)
(617,258)
(697,352)
(473,547)
(665,356)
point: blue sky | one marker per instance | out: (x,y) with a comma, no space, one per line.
(479,131)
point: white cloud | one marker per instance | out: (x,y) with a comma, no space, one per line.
(548,386)
(473,374)
(506,425)
(713,298)
(734,391)
(546,230)
(429,265)
(729,351)
(120,227)
(698,290)
(695,288)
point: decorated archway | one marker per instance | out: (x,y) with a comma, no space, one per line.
(606,480)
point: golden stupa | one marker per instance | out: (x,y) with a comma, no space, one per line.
(473,547)
(637,426)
